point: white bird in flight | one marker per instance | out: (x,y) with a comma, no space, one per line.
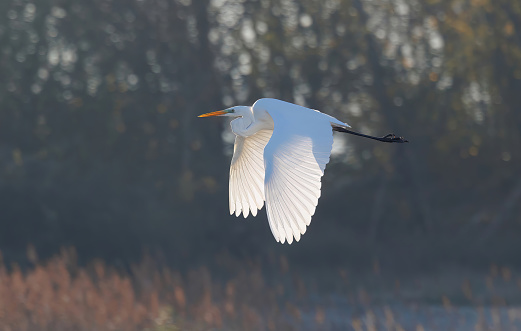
(279,156)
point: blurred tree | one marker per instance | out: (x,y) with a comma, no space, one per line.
(97,122)
(101,148)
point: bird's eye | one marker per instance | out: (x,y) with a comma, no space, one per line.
(232,110)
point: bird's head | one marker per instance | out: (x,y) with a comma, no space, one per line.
(237,111)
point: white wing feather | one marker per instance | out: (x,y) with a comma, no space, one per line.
(295,159)
(283,166)
(246,186)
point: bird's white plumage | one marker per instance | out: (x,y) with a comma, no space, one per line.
(246,187)
(295,159)
(280,154)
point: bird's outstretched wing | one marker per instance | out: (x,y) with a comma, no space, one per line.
(295,159)
(247,174)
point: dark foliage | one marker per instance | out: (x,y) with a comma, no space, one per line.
(101,149)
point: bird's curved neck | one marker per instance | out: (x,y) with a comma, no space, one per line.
(241,124)
(251,122)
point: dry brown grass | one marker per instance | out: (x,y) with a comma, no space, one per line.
(60,295)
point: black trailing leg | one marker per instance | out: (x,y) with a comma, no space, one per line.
(390,138)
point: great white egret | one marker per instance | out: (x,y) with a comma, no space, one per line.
(280,153)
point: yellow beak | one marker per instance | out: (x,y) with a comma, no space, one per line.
(214,113)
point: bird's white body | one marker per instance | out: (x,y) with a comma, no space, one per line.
(280,153)
(279,157)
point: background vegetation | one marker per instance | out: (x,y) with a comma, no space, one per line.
(100,147)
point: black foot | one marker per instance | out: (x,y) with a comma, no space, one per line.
(392,138)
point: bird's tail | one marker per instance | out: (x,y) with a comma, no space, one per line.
(339,128)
